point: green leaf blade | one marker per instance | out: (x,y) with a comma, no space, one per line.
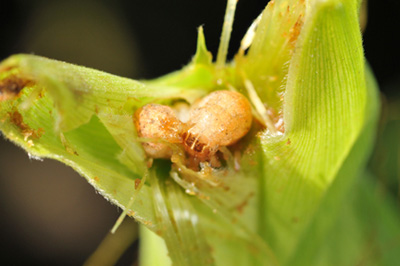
(325,111)
(92,147)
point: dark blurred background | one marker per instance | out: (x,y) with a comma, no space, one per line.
(51,215)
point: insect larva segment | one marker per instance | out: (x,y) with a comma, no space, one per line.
(219,119)
(158,122)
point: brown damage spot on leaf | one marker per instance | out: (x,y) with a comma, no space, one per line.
(240,208)
(134,99)
(11,86)
(96,178)
(67,146)
(159,232)
(71,150)
(271,4)
(294,13)
(137,183)
(295,30)
(17,119)
(148,223)
(149,163)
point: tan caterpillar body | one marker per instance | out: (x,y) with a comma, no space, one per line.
(158,122)
(219,119)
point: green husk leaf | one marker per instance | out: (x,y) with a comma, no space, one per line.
(178,221)
(364,229)
(329,215)
(34,119)
(325,111)
(266,64)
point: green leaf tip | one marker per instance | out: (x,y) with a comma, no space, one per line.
(202,56)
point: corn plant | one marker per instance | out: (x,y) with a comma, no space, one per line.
(293,189)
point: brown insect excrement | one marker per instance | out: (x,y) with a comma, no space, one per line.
(12,85)
(17,119)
